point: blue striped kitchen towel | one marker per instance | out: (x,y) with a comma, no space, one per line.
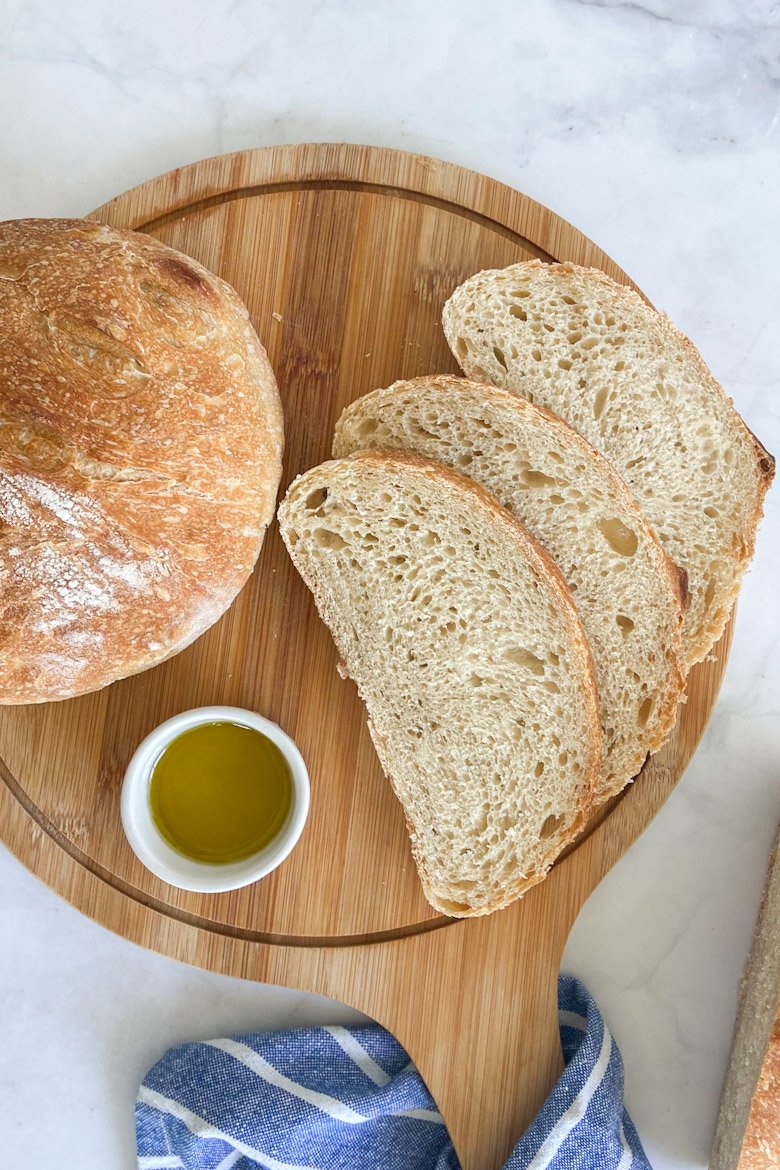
(349,1099)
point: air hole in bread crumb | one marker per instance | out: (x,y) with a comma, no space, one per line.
(536,354)
(499,356)
(589,343)
(522,657)
(711,512)
(462,348)
(564,364)
(520,292)
(539,769)
(644,711)
(625,623)
(368,426)
(568,300)
(600,401)
(475,680)
(422,432)
(516,311)
(326,538)
(316,499)
(549,826)
(619,537)
(537,479)
(450,907)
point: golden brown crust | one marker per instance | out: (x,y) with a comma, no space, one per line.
(747,1135)
(761,1144)
(140,454)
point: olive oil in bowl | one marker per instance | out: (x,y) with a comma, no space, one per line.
(214,799)
(220,792)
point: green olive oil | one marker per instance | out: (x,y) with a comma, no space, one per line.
(220,792)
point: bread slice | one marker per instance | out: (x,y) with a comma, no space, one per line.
(747,1136)
(628,593)
(592,350)
(467,649)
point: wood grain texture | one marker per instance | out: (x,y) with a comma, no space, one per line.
(344,256)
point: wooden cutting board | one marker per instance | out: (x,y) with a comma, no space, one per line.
(344,255)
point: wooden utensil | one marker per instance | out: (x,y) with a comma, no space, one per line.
(344,255)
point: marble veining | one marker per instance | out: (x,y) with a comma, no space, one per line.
(653,126)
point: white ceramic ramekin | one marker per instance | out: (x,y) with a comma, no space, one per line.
(153,850)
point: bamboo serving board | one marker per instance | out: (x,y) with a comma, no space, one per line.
(344,255)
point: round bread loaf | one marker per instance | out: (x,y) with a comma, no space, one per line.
(141,438)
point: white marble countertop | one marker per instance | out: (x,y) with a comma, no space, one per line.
(652,126)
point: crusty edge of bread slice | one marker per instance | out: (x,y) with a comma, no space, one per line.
(551,574)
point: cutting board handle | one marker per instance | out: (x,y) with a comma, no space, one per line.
(475,1002)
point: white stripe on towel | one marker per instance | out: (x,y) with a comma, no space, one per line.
(204,1129)
(322,1101)
(356,1052)
(576,1111)
(627,1158)
(164,1162)
(229,1162)
(421,1115)
(573,1020)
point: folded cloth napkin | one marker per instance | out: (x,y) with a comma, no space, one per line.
(350,1099)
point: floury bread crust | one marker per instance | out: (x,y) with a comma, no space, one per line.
(628,593)
(466,647)
(573,340)
(140,454)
